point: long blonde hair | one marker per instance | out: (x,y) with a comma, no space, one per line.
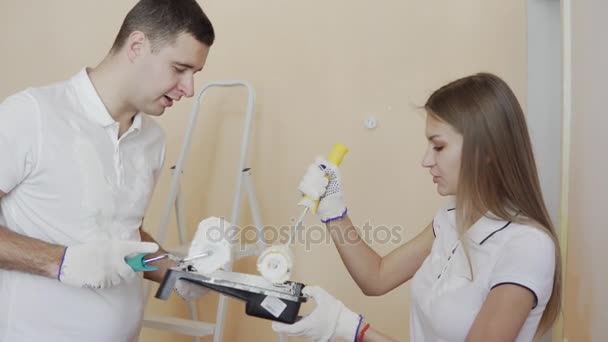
(498,173)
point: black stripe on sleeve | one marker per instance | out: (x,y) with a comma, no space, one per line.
(520,285)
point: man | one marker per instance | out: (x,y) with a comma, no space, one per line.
(80,160)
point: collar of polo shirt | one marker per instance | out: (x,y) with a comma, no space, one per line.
(481,230)
(485,227)
(92,105)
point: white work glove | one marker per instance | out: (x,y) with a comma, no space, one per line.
(100,264)
(328,321)
(315,185)
(189,291)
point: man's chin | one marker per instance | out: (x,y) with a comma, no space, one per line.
(155,111)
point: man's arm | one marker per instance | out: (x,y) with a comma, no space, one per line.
(162,264)
(25,254)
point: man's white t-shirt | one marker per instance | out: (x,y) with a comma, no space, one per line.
(447,293)
(70,180)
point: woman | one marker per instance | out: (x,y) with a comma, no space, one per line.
(487,268)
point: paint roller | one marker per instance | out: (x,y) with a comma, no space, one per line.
(276,262)
(209,250)
(211,238)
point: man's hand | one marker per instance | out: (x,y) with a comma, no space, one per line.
(100,264)
(322,182)
(329,320)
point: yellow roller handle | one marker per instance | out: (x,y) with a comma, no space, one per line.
(335,157)
(337,154)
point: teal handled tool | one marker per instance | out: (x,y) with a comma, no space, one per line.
(139,263)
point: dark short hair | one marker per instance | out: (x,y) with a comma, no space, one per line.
(163,20)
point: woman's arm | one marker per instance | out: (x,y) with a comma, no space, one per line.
(376,275)
(373,335)
(502,314)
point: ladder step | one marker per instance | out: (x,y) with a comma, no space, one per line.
(179,325)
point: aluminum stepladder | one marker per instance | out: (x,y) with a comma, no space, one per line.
(193,326)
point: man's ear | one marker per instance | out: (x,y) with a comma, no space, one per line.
(136,46)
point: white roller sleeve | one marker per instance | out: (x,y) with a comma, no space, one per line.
(275,263)
(211,236)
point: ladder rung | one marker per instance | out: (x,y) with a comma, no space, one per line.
(179,325)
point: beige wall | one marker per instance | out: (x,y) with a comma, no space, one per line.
(585,297)
(320,67)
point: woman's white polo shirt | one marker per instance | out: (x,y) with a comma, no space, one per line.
(447,292)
